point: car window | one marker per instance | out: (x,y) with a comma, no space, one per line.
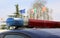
(13,36)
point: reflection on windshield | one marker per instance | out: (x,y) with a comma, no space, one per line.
(13,36)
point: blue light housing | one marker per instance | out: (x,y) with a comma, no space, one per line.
(10,21)
(19,22)
(14,22)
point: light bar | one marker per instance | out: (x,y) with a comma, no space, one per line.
(32,23)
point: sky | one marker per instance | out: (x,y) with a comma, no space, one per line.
(8,7)
(55,6)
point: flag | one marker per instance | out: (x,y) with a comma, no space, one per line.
(22,11)
(33,10)
(43,9)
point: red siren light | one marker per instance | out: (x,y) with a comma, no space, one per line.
(43,23)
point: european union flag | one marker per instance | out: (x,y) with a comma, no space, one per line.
(22,11)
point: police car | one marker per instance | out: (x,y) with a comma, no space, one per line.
(24,32)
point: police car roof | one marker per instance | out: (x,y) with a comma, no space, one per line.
(33,32)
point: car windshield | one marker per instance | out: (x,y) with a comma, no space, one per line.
(13,36)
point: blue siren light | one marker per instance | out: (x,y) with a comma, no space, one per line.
(18,22)
(10,21)
(14,22)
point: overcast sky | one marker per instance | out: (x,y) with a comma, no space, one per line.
(8,7)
